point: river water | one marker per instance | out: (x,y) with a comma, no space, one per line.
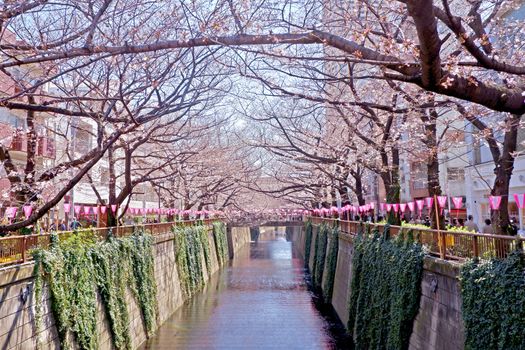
(260,301)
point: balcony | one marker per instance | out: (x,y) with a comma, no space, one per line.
(19,143)
(45,146)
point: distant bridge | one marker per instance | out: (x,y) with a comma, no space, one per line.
(269,221)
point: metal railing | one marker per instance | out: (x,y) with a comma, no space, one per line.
(448,245)
(17,249)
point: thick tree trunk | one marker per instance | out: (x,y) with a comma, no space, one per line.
(434,188)
(359,189)
(391,182)
(503,172)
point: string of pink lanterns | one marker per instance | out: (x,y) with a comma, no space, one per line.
(415,207)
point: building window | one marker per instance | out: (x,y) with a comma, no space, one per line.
(419,176)
(82,137)
(455,174)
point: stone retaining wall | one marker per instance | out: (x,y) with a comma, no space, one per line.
(439,323)
(17,324)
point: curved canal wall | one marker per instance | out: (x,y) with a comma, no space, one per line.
(439,322)
(17,307)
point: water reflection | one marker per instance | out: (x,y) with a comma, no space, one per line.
(260,301)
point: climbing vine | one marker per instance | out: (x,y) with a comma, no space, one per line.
(307,242)
(221,242)
(205,242)
(494,303)
(385,290)
(67,270)
(321,240)
(112,276)
(78,267)
(188,257)
(145,290)
(331,264)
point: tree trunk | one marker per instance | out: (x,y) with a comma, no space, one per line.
(434,188)
(392,188)
(112,188)
(503,172)
(359,188)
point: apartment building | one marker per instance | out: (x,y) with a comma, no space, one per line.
(479,175)
(14,128)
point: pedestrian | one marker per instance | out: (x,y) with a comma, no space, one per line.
(62,226)
(75,224)
(471,225)
(513,228)
(488,227)
(461,223)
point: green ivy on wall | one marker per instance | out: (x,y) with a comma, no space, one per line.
(493,294)
(321,240)
(145,290)
(307,242)
(77,267)
(188,253)
(221,242)
(331,264)
(385,290)
(205,242)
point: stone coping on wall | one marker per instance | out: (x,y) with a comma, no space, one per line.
(443,267)
(16,273)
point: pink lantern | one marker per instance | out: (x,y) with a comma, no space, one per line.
(103,209)
(403,207)
(458,202)
(67,208)
(517,199)
(77,209)
(494,202)
(388,207)
(95,210)
(420,204)
(429,201)
(28,210)
(113,208)
(86,210)
(442,201)
(411,206)
(372,206)
(10,212)
(396,207)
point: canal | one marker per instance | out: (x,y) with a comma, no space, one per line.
(260,301)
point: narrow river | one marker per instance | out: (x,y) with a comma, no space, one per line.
(260,301)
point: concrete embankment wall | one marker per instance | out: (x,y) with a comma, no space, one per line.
(17,321)
(439,323)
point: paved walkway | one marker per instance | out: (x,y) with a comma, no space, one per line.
(260,302)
